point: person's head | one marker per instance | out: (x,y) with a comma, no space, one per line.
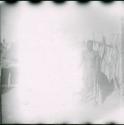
(90,45)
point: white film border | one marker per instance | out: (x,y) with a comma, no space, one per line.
(69,61)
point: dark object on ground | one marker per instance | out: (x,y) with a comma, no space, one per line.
(8,75)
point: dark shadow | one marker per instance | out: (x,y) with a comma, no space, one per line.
(8,75)
(59,1)
(83,1)
(107,2)
(11,1)
(35,2)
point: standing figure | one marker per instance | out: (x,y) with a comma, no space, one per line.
(97,86)
(92,66)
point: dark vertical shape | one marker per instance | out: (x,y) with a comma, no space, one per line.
(0,70)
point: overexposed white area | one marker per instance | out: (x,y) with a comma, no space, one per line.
(50,39)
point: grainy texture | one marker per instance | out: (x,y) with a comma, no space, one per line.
(62,63)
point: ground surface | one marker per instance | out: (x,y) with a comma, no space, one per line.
(12,110)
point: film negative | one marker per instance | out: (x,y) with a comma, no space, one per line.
(61,62)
